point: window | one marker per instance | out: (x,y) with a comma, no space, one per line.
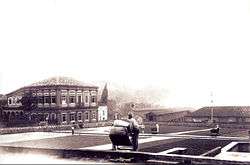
(64,117)
(18,100)
(40,100)
(9,101)
(79,116)
(14,100)
(79,99)
(64,100)
(93,115)
(53,116)
(86,99)
(53,99)
(72,99)
(87,116)
(93,99)
(47,100)
(72,117)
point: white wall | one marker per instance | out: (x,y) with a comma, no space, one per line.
(102,113)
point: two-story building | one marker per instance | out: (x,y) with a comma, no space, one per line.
(57,100)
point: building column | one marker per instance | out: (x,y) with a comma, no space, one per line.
(67,97)
(58,97)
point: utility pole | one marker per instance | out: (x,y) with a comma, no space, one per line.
(212,110)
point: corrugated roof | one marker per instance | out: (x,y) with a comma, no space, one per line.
(53,81)
(223,111)
(159,111)
(148,110)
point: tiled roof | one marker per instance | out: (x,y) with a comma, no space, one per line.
(223,111)
(148,110)
(60,81)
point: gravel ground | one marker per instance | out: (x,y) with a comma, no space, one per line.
(69,142)
(194,146)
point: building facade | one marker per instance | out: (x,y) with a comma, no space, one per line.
(57,100)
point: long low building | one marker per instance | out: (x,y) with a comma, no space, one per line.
(57,100)
(220,114)
(162,114)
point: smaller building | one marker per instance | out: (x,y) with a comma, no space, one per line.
(102,113)
(103,108)
(166,116)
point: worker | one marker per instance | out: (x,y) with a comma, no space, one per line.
(134,129)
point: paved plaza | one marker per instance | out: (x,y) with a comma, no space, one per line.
(196,141)
(98,139)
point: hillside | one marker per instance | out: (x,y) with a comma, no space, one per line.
(124,94)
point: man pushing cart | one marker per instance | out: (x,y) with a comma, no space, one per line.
(125,133)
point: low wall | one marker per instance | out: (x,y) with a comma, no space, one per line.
(50,128)
(33,129)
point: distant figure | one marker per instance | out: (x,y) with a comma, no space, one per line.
(157,127)
(143,128)
(73,130)
(217,126)
(134,129)
(215,131)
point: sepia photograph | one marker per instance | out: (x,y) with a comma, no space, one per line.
(125,82)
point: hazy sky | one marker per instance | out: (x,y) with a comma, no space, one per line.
(188,47)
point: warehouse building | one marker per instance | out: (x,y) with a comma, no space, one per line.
(162,114)
(220,114)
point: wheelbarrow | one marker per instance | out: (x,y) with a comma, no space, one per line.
(120,137)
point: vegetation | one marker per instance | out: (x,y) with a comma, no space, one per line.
(29,101)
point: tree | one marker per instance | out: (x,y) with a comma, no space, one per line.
(29,102)
(3,103)
(127,107)
(104,96)
(112,109)
(3,100)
